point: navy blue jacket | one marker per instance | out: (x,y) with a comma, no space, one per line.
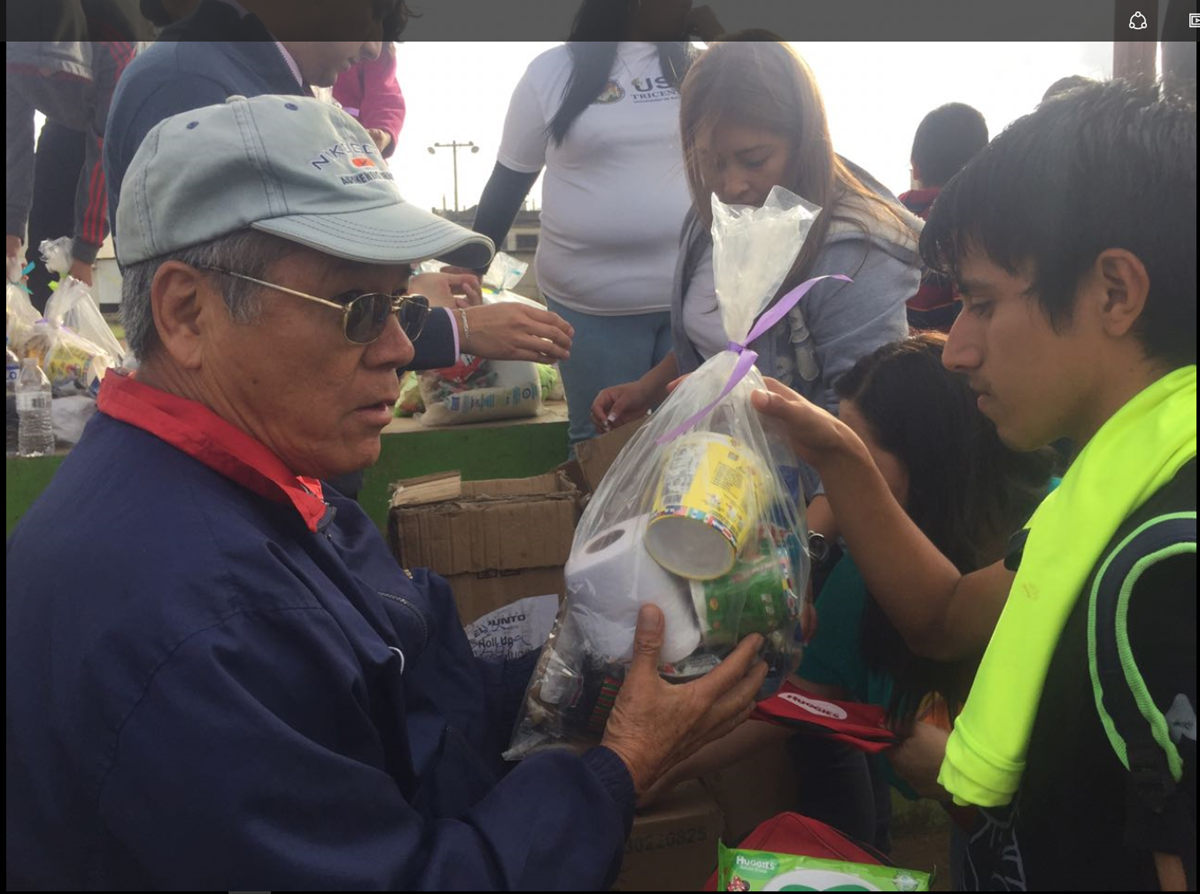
(204,693)
(176,76)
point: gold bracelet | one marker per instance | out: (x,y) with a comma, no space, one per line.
(465,335)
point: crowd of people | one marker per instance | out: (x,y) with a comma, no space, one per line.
(233,684)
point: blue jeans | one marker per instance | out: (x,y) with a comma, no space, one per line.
(607,351)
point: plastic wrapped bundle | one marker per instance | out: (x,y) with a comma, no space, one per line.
(700,514)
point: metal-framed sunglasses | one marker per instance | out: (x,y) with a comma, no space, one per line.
(364,315)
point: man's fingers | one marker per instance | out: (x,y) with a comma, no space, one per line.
(647,641)
(735,666)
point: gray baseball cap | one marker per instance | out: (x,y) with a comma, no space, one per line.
(291,166)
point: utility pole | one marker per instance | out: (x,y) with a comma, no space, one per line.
(454,146)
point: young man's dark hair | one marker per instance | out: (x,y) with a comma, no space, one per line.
(946,139)
(1064,85)
(1107,166)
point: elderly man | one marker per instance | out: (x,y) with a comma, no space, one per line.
(217,675)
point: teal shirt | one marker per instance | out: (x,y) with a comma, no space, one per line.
(835,657)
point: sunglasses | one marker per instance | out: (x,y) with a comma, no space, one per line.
(364,315)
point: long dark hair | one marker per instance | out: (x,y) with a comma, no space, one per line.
(966,491)
(598,27)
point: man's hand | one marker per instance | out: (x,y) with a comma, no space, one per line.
(82,271)
(441,288)
(511,330)
(382,138)
(656,724)
(620,404)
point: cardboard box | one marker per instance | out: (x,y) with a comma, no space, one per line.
(673,845)
(495,541)
(753,790)
(594,457)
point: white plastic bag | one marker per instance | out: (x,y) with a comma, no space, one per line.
(19,317)
(700,514)
(72,306)
(478,390)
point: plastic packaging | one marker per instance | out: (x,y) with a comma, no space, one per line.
(35,434)
(20,315)
(747,870)
(12,370)
(478,390)
(700,514)
(73,306)
(73,364)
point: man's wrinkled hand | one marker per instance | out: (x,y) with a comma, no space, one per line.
(655,724)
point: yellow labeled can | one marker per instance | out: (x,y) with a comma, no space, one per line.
(706,505)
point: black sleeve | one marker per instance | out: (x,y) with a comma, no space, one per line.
(1162,642)
(501,200)
(435,345)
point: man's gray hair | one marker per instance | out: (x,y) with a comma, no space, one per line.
(245,251)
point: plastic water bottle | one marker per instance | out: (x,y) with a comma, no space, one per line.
(35,433)
(12,369)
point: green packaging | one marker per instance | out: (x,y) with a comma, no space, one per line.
(742,870)
(756,596)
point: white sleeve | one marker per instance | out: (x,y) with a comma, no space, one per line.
(523,146)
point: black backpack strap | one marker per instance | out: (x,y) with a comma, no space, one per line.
(1136,728)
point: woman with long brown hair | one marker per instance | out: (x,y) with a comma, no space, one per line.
(751,118)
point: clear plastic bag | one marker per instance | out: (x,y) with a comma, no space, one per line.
(19,317)
(56,255)
(72,363)
(700,514)
(72,306)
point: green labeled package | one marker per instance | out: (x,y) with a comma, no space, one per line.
(739,870)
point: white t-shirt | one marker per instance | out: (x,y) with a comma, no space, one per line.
(615,192)
(701,315)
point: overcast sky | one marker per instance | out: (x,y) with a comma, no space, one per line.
(875,95)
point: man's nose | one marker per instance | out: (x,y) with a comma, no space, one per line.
(961,352)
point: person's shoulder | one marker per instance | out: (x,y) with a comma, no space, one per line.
(552,63)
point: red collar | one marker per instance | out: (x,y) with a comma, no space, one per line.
(205,436)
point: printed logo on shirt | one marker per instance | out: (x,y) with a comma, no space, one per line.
(612,92)
(653,89)
(362,162)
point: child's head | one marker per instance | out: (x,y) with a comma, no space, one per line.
(946,139)
(941,457)
(1072,239)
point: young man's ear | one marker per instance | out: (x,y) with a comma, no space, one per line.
(1125,283)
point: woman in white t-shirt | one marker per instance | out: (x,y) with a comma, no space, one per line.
(601,115)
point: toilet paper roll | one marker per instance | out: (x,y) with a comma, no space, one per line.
(609,578)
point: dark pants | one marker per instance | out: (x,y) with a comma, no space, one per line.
(60,158)
(839,788)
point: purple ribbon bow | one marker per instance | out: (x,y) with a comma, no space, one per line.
(746,357)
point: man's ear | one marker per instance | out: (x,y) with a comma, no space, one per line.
(1126,284)
(183,302)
